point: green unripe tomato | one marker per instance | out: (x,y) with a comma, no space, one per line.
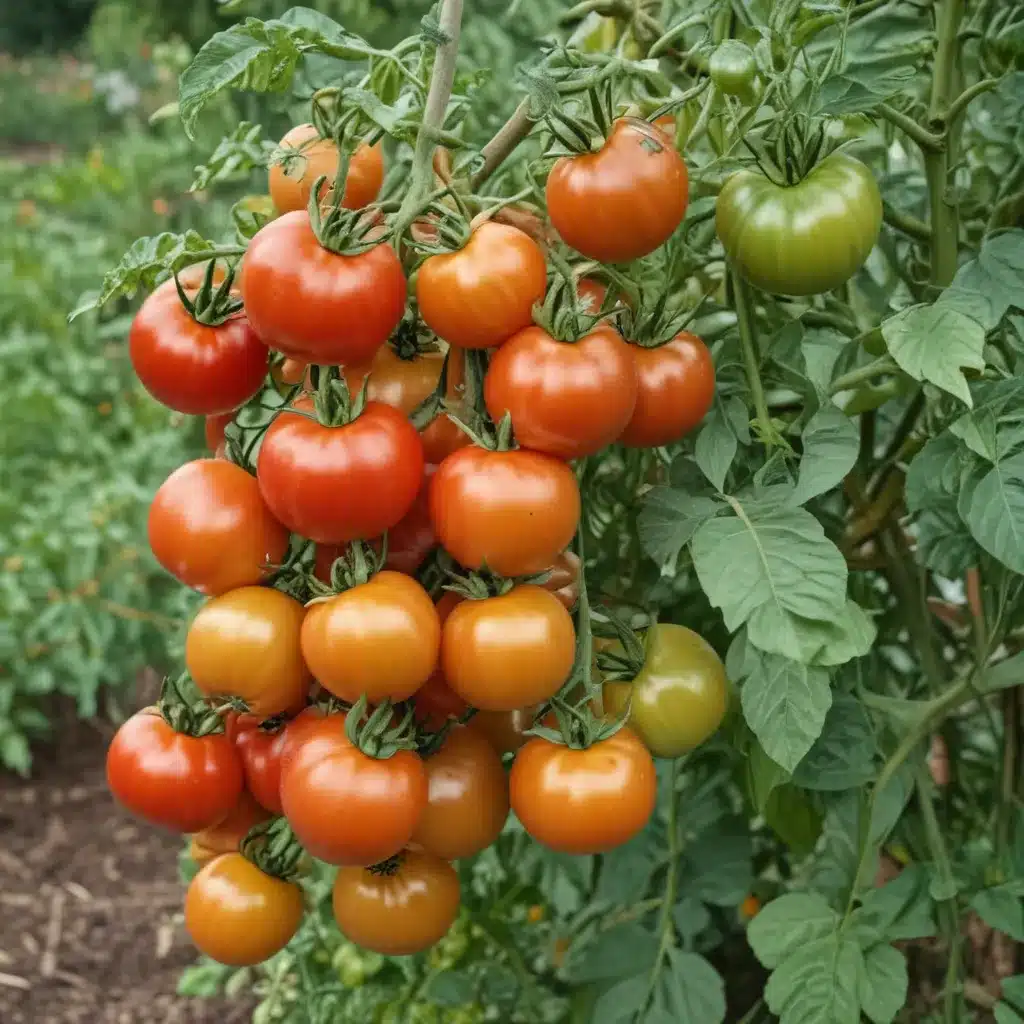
(733,68)
(679,697)
(801,239)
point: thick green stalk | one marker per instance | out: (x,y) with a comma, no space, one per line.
(748,344)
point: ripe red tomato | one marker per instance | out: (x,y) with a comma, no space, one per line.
(214,428)
(317,305)
(291,180)
(184,783)
(676,386)
(380,639)
(566,400)
(238,914)
(511,511)
(584,801)
(467,797)
(227,835)
(210,528)
(336,484)
(344,806)
(260,753)
(192,367)
(481,295)
(245,644)
(625,200)
(290,372)
(397,909)
(436,701)
(503,653)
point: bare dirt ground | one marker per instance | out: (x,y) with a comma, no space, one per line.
(90,901)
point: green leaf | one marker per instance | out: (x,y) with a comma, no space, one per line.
(1011,1009)
(986,287)
(452,988)
(900,909)
(690,991)
(785,703)
(862,85)
(15,753)
(883,985)
(765,565)
(995,513)
(716,868)
(831,443)
(818,984)
(788,924)
(1004,675)
(934,472)
(621,1003)
(944,542)
(1002,908)
(237,155)
(668,520)
(843,756)
(619,952)
(716,447)
(829,644)
(691,917)
(933,343)
(763,775)
(627,869)
(792,816)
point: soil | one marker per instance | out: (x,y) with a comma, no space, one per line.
(90,901)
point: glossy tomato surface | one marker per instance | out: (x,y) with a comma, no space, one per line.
(565,399)
(512,511)
(239,915)
(504,730)
(192,367)
(343,483)
(317,305)
(397,909)
(479,296)
(380,639)
(305,157)
(181,782)
(260,749)
(680,696)
(214,428)
(625,200)
(210,528)
(504,653)
(675,389)
(344,806)
(245,644)
(467,797)
(584,801)
(227,835)
(805,238)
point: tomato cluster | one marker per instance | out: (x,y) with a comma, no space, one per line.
(344,710)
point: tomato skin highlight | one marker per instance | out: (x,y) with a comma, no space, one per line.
(584,801)
(291,182)
(565,399)
(191,367)
(316,305)
(401,913)
(504,653)
(514,511)
(675,389)
(625,200)
(245,643)
(802,239)
(239,915)
(210,528)
(481,295)
(380,638)
(346,807)
(183,783)
(680,696)
(467,797)
(337,484)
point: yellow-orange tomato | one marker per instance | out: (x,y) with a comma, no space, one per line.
(309,157)
(381,639)
(504,653)
(467,797)
(584,801)
(238,914)
(246,643)
(504,730)
(399,908)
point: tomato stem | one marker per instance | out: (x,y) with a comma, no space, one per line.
(751,362)
(507,138)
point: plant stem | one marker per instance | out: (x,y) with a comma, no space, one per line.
(495,152)
(441,80)
(745,323)
(906,222)
(1011,768)
(960,104)
(878,368)
(927,140)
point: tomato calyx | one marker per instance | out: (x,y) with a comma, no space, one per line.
(578,727)
(211,305)
(627,662)
(358,565)
(375,732)
(333,403)
(430,743)
(480,585)
(388,868)
(191,718)
(343,232)
(273,848)
(651,326)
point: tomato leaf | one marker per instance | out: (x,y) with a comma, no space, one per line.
(831,442)
(843,756)
(995,513)
(862,84)
(791,815)
(689,991)
(621,1003)
(716,868)
(883,985)
(619,952)
(785,703)
(900,909)
(668,520)
(1011,1009)
(789,923)
(235,157)
(820,982)
(987,286)
(1002,907)
(716,446)
(691,917)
